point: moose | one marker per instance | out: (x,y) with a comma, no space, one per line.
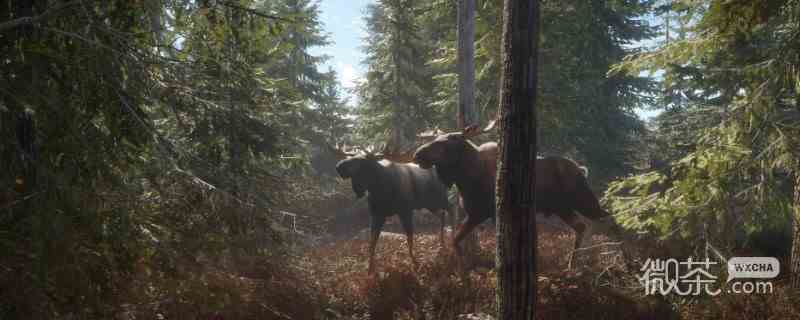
(561,185)
(394,188)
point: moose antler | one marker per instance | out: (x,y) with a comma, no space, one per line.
(430,134)
(343,151)
(372,150)
(401,156)
(340,151)
(469,131)
(386,152)
(474,131)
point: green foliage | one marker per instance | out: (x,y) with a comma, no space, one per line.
(586,113)
(730,89)
(395,95)
(706,194)
(160,138)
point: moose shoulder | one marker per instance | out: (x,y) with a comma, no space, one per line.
(393,188)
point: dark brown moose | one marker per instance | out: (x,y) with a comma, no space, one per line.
(561,185)
(394,188)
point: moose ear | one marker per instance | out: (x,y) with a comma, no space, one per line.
(490,126)
(341,169)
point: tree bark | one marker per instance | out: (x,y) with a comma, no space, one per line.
(795,262)
(516,222)
(794,267)
(467,115)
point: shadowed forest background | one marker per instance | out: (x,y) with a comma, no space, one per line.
(172,158)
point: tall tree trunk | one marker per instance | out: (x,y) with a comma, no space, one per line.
(666,24)
(27,75)
(794,267)
(467,115)
(795,263)
(154,11)
(516,221)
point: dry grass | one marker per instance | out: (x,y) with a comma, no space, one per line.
(438,290)
(330,281)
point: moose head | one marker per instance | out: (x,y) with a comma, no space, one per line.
(446,149)
(362,169)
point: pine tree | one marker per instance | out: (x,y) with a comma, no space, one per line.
(795,256)
(142,133)
(394,99)
(733,126)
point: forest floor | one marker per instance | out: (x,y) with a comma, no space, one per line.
(439,289)
(600,287)
(329,280)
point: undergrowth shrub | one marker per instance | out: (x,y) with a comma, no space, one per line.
(439,290)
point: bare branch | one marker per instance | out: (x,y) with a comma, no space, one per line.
(14,203)
(254,11)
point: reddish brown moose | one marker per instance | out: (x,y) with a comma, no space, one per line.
(561,185)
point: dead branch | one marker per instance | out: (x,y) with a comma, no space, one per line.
(254,11)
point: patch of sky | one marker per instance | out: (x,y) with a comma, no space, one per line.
(344,23)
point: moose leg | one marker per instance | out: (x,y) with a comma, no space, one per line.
(443,221)
(574,221)
(464,230)
(407,221)
(449,216)
(375,226)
